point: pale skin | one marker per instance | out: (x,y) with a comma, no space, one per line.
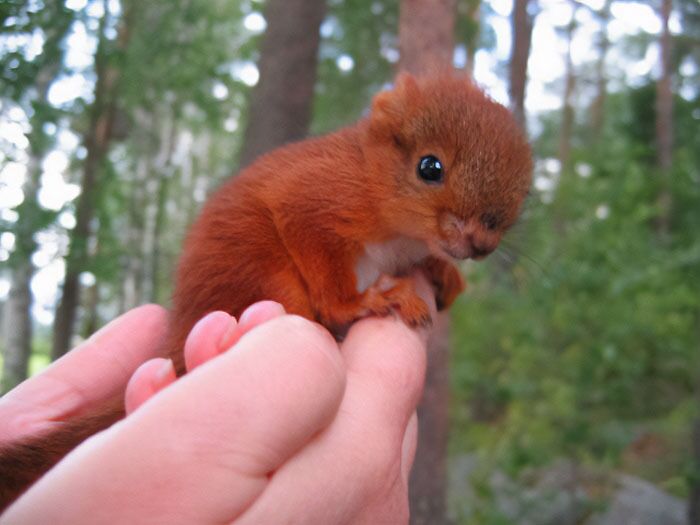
(274,423)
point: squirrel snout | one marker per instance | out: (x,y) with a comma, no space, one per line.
(467,239)
(469,248)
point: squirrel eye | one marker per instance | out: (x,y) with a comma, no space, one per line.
(430,169)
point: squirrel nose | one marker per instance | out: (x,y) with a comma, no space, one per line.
(466,238)
(475,249)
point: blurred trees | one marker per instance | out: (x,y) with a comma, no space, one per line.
(595,351)
(589,347)
(97,139)
(28,86)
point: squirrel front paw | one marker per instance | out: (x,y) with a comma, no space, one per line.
(446,279)
(397,295)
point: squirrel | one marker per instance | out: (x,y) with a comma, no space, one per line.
(331,227)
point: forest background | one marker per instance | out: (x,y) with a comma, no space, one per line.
(574,353)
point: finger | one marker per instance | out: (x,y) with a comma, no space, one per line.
(253,316)
(150,378)
(408,448)
(86,377)
(204,341)
(218,331)
(202,450)
(357,461)
(387,360)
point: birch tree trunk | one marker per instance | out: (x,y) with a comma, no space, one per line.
(426,43)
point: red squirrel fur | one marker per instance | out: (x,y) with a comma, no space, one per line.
(331,226)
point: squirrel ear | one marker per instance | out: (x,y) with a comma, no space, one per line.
(391,108)
(407,85)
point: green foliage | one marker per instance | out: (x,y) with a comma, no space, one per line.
(596,341)
(178,49)
(366,32)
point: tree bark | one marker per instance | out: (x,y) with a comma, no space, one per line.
(426,43)
(91,319)
(664,123)
(280,106)
(426,35)
(521,27)
(428,482)
(97,142)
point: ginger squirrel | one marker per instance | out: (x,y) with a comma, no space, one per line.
(331,226)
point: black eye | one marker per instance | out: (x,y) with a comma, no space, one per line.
(430,169)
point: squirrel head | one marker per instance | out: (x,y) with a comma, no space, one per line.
(452,166)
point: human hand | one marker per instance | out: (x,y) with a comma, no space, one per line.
(87,377)
(281,428)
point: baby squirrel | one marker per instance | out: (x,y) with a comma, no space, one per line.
(331,227)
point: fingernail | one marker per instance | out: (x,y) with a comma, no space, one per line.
(263,311)
(213,321)
(164,373)
(229,337)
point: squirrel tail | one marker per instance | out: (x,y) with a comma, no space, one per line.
(23,463)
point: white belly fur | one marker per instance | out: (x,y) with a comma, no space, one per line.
(388,258)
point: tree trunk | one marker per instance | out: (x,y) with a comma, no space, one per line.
(163,170)
(426,42)
(97,142)
(598,107)
(91,319)
(133,267)
(664,123)
(280,106)
(426,35)
(521,27)
(567,112)
(428,483)
(18,327)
